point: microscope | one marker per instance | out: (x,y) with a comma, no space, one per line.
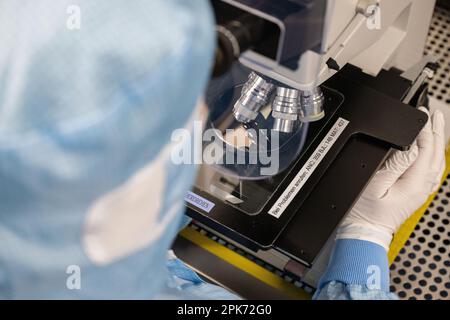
(307,100)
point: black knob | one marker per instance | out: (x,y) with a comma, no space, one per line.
(235,37)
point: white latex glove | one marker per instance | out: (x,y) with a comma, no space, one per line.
(399,188)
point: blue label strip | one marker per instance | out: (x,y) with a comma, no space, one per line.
(199,202)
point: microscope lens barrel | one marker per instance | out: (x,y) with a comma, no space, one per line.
(311,105)
(255,94)
(251,80)
(285,109)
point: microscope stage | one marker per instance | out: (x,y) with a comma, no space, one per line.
(297,210)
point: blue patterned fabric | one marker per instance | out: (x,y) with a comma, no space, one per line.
(81,111)
(340,291)
(358,270)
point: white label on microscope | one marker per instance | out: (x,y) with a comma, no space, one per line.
(198,201)
(308,168)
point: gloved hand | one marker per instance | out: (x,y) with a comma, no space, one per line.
(399,188)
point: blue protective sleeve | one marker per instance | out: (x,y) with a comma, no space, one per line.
(357,270)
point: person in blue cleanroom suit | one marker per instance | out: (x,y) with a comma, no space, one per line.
(90,92)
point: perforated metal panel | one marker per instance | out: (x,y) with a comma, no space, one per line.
(422,269)
(439,46)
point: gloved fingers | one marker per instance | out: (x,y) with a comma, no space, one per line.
(437,165)
(425,143)
(399,161)
(425,137)
(438,176)
(375,220)
(394,167)
(419,172)
(438,124)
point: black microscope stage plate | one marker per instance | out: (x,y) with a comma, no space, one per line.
(375,123)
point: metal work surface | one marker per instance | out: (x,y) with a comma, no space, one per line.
(224,264)
(422,269)
(224,273)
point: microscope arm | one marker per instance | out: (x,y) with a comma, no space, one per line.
(369,40)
